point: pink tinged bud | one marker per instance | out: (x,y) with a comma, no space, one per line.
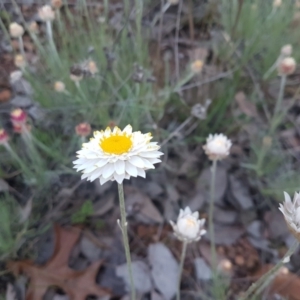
(287,66)
(18,116)
(46,13)
(3,137)
(21,128)
(83,129)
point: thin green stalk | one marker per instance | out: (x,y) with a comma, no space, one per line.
(21,46)
(257,287)
(211,213)
(280,95)
(51,42)
(182,259)
(123,226)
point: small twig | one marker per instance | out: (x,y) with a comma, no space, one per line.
(176,39)
(240,6)
(191,21)
(175,132)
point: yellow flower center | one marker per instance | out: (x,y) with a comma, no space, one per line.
(191,222)
(116,144)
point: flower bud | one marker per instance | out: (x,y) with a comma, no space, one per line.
(83,129)
(291,213)
(57,4)
(277,3)
(16,30)
(46,13)
(197,66)
(23,128)
(286,66)
(92,67)
(18,116)
(19,61)
(188,227)
(59,86)
(33,27)
(3,137)
(225,266)
(217,146)
(287,50)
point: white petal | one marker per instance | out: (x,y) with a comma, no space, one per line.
(141,172)
(120,167)
(97,173)
(137,161)
(119,177)
(195,214)
(101,162)
(154,160)
(108,170)
(151,154)
(103,180)
(147,164)
(130,169)
(128,129)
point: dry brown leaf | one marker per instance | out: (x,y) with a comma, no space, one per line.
(246,107)
(56,272)
(285,284)
(5,95)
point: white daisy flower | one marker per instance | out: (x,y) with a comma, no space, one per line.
(217,146)
(188,227)
(291,213)
(117,155)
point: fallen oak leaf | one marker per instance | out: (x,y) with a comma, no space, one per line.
(56,272)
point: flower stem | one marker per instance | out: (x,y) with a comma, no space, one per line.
(123,226)
(51,41)
(257,287)
(211,213)
(182,258)
(21,46)
(280,95)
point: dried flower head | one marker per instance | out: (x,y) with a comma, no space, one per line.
(3,137)
(291,213)
(16,30)
(20,61)
(83,129)
(199,110)
(76,78)
(217,146)
(33,27)
(18,116)
(286,66)
(117,155)
(267,141)
(15,76)
(92,67)
(287,50)
(277,3)
(197,66)
(46,13)
(57,4)
(59,86)
(188,228)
